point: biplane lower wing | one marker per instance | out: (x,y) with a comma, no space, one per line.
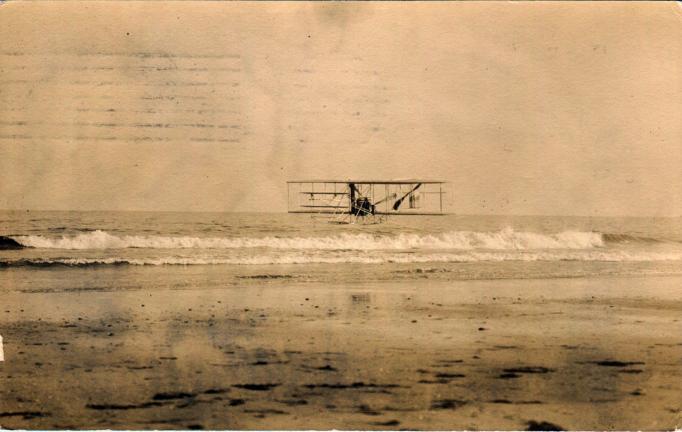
(329,212)
(366,198)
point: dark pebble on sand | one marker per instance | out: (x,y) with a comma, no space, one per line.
(216,391)
(616,363)
(256,387)
(171,395)
(447,404)
(26,415)
(327,368)
(528,370)
(542,426)
(366,410)
(387,423)
(449,375)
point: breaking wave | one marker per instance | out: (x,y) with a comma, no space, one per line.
(506,239)
(349,258)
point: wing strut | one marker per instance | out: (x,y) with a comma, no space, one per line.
(396,205)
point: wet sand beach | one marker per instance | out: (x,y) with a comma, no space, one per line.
(597,353)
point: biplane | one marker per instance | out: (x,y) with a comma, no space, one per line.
(365,201)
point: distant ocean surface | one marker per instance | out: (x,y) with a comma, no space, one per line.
(172,249)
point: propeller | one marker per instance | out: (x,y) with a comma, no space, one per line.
(397,204)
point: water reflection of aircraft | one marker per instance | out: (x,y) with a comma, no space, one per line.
(350,201)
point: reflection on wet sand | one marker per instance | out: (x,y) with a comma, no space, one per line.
(412,355)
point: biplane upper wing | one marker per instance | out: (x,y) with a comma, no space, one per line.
(364,197)
(383,182)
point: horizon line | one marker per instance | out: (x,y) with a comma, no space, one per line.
(286,212)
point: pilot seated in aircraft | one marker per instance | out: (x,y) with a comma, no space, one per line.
(363,207)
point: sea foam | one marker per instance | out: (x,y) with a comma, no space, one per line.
(506,239)
(355,258)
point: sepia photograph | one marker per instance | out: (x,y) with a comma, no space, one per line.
(312,215)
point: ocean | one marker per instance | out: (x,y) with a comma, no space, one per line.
(188,249)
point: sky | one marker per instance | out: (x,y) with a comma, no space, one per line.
(548,108)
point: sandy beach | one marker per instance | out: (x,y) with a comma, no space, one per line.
(600,353)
